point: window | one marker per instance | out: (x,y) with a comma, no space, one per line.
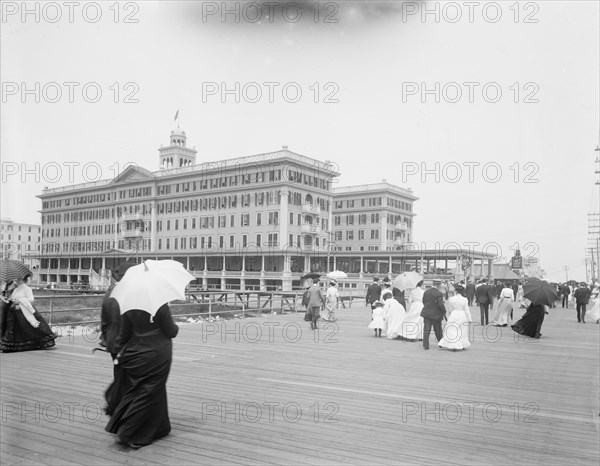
(258,218)
(361,234)
(337,220)
(273,218)
(338,235)
(245,220)
(350,203)
(232,220)
(350,235)
(244,241)
(231,241)
(291,221)
(221,241)
(222,221)
(374,234)
(185,223)
(258,240)
(272,241)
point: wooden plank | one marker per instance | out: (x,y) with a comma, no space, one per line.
(370,386)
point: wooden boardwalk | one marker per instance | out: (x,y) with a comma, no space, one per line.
(270,391)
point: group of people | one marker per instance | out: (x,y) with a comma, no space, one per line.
(140,347)
(426,311)
(413,313)
(320,305)
(22,327)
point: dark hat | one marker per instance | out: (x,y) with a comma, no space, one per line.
(437,282)
(459,288)
(375,279)
(583,284)
(386,280)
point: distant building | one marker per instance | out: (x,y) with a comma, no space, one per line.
(372,217)
(257,222)
(20,241)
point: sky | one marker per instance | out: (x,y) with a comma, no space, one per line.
(488,112)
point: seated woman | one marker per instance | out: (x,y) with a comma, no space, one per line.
(412,324)
(531,322)
(456,330)
(505,307)
(141,414)
(22,327)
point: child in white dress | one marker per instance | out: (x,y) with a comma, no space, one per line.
(377,323)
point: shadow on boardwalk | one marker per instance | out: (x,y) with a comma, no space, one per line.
(270,391)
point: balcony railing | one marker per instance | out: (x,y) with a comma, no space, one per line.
(310,229)
(401,226)
(131,217)
(135,233)
(311,209)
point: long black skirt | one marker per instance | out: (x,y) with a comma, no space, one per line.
(137,400)
(17,334)
(531,322)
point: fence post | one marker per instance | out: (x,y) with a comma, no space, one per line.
(243,306)
(210,305)
(51,308)
(271,301)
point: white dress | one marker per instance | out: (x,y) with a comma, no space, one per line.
(456,330)
(377,321)
(393,314)
(504,307)
(594,313)
(331,301)
(23,295)
(412,325)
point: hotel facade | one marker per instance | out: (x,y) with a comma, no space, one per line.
(256,223)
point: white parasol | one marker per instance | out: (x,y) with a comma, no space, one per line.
(149,285)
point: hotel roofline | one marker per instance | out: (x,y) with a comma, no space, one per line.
(374,187)
(205,168)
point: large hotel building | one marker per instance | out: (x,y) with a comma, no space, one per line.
(256,223)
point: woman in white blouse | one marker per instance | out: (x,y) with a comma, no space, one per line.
(456,330)
(505,307)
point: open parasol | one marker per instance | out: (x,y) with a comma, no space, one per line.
(11,269)
(151,284)
(407,280)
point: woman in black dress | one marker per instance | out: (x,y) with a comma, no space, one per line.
(22,328)
(141,415)
(531,322)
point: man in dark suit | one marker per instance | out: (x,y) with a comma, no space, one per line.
(373,292)
(582,298)
(433,312)
(470,292)
(484,299)
(565,291)
(515,288)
